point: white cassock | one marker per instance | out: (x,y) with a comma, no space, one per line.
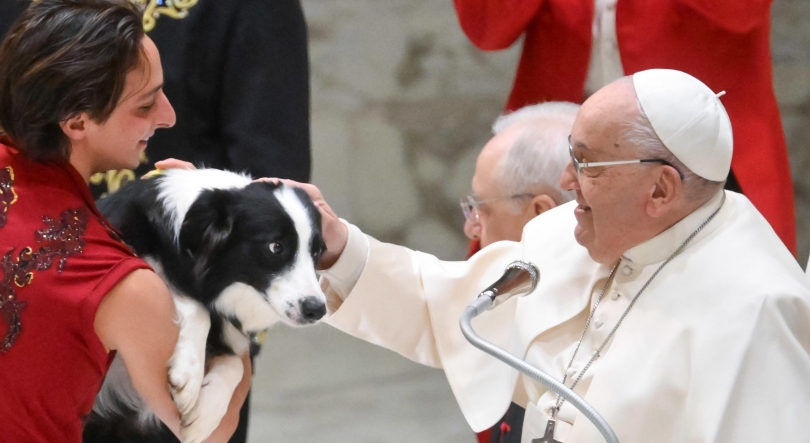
(716,349)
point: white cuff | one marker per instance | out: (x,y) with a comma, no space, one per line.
(343,275)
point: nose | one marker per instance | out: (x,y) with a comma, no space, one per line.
(472,230)
(568,178)
(166,117)
(313,308)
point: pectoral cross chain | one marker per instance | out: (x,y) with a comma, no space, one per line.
(548,437)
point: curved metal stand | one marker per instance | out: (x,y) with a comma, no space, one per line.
(484,303)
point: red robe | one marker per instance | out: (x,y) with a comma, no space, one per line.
(724,43)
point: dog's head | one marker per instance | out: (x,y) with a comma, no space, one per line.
(254,251)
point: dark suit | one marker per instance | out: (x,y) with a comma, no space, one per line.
(237,74)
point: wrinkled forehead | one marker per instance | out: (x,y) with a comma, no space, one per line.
(604,118)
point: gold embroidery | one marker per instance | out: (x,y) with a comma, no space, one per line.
(114,179)
(171,8)
(59,240)
(7,194)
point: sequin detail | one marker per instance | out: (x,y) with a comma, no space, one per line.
(7,195)
(59,240)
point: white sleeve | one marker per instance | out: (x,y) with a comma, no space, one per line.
(339,280)
(410,302)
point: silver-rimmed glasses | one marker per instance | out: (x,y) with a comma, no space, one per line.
(470,204)
(579,166)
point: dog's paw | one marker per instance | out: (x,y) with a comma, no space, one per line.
(204,417)
(186,372)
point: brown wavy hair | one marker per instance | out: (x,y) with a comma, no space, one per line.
(62,58)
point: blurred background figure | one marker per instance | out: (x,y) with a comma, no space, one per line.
(517,177)
(518,171)
(573,48)
(237,73)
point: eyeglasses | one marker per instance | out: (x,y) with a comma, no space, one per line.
(579,166)
(470,204)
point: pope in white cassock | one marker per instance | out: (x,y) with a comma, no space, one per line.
(670,304)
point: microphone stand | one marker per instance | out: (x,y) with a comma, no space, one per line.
(520,278)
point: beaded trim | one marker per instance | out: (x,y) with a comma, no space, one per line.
(7,195)
(59,240)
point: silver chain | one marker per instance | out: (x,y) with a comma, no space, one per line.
(596,354)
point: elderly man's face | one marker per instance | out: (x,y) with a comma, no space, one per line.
(503,218)
(611,216)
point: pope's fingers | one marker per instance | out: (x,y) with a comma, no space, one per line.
(312,191)
(335,233)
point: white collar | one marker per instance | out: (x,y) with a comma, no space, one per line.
(663,245)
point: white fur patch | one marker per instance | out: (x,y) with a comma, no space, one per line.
(246,304)
(180,187)
(300,281)
(187,364)
(218,386)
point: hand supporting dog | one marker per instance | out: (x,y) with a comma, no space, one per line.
(187,365)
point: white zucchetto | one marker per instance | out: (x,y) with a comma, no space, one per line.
(689,119)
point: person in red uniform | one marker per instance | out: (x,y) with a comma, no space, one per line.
(572,48)
(80,92)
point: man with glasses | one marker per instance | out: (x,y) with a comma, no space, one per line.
(666,302)
(516,179)
(517,173)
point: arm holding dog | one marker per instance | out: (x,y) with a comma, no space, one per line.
(137,319)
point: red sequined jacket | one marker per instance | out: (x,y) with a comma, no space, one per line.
(58,261)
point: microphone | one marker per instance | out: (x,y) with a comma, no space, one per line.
(519,278)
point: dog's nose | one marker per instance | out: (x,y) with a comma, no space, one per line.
(313,308)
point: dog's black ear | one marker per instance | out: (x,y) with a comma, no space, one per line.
(207,227)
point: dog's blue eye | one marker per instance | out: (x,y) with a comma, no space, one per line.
(276,248)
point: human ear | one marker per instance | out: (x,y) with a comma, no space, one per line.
(542,203)
(667,190)
(75,128)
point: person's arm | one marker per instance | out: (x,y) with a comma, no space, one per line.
(265,91)
(740,16)
(495,24)
(136,319)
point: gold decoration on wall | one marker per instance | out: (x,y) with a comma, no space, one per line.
(114,179)
(171,8)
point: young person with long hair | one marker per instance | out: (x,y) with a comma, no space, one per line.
(80,93)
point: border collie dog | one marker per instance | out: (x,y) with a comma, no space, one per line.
(238,256)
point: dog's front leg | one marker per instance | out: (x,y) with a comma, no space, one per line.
(224,374)
(187,365)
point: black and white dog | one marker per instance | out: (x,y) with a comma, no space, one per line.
(238,256)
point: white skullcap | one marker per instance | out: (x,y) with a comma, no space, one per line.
(689,118)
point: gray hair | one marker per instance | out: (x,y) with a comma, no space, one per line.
(539,155)
(640,133)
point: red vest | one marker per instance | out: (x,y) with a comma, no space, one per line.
(58,261)
(724,43)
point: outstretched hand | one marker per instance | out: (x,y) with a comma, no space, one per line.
(335,233)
